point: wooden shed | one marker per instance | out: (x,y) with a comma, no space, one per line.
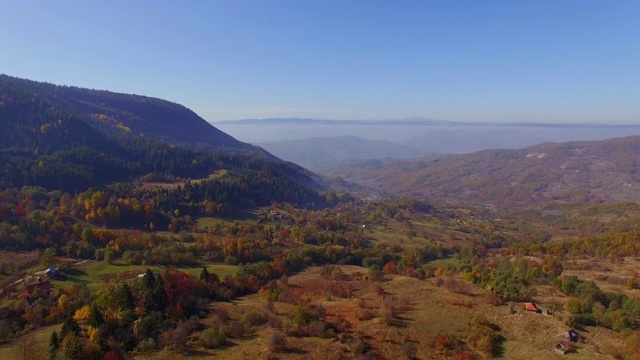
(572,335)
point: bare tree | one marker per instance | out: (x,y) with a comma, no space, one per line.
(28,348)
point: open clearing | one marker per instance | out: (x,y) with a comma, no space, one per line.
(609,275)
(94,273)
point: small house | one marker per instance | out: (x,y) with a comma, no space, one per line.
(531,307)
(50,272)
(45,286)
(572,335)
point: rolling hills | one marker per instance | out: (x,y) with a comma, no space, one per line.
(573,172)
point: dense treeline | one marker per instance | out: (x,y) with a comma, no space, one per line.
(35,219)
(612,244)
(44,146)
(115,112)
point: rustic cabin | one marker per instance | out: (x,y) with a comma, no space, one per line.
(43,285)
(561,348)
(572,335)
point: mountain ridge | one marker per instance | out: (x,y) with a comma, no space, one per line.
(139,114)
(574,172)
(44,145)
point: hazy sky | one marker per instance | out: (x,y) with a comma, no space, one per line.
(545,61)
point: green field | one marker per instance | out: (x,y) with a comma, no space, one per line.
(221,270)
(209,222)
(236,215)
(94,273)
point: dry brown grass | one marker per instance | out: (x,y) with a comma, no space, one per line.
(12,258)
(607,274)
(421,311)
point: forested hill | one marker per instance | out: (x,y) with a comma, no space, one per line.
(43,145)
(572,172)
(131,113)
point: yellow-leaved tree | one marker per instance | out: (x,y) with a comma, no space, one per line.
(82,314)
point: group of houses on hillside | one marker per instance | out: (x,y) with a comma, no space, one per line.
(40,281)
(570,335)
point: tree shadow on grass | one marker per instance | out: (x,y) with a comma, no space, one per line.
(250,336)
(73,272)
(498,348)
(195,352)
(294,351)
(400,322)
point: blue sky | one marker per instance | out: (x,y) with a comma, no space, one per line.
(543,61)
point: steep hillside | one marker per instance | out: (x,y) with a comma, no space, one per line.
(131,113)
(43,145)
(318,150)
(575,172)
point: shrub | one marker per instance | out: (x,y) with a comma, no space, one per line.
(222,314)
(374,273)
(231,260)
(308,321)
(213,338)
(337,274)
(274,321)
(483,336)
(147,345)
(410,349)
(234,330)
(253,318)
(278,342)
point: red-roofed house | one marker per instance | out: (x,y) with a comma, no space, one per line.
(531,307)
(44,286)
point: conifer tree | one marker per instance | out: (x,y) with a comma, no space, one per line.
(54,345)
(95,318)
(148,280)
(204,275)
(69,326)
(125,298)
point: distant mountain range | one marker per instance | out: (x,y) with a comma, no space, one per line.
(572,172)
(410,121)
(304,121)
(315,151)
(425,136)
